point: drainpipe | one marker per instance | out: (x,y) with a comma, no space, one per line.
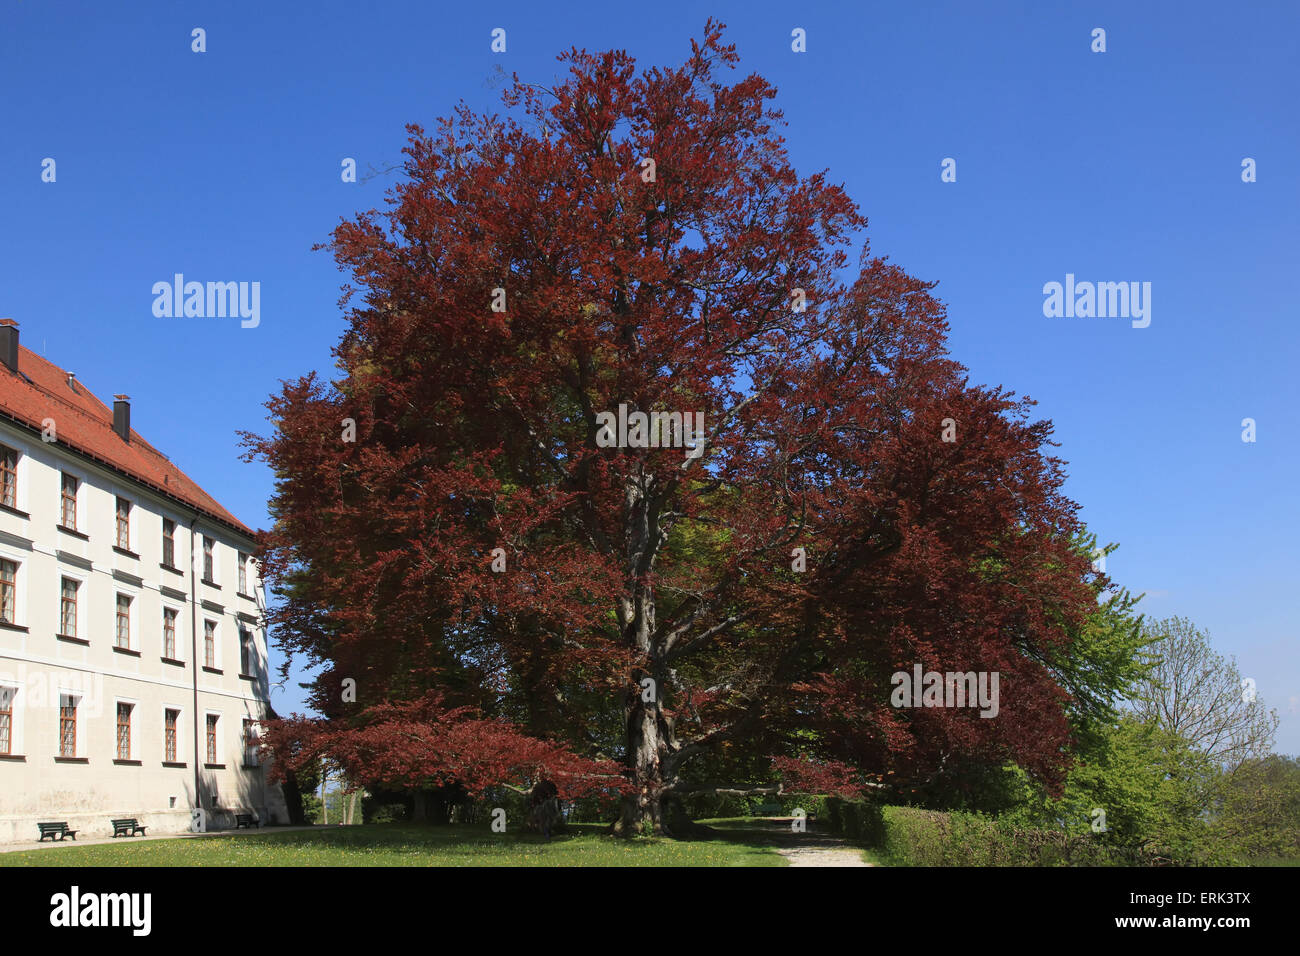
(194,669)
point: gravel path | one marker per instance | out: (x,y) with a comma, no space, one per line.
(816,849)
(823,856)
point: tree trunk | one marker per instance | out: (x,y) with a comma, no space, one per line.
(642,810)
(420,807)
(544,812)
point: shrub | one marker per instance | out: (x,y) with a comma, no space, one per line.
(859,820)
(388,813)
(910,836)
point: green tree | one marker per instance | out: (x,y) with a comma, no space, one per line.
(1257,814)
(1140,786)
(1201,697)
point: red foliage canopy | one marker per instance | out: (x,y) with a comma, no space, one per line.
(652,608)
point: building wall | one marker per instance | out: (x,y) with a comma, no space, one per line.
(38,665)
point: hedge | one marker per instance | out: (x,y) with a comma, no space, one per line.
(910,836)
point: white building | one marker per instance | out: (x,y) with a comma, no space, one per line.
(133,666)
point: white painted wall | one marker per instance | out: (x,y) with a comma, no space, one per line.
(34,785)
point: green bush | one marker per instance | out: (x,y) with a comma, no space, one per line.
(812,804)
(859,820)
(389,813)
(910,836)
(705,806)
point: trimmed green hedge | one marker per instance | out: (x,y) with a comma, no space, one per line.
(909,836)
(859,820)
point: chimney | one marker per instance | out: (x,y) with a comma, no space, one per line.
(122,416)
(9,344)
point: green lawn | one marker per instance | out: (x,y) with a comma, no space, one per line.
(407,845)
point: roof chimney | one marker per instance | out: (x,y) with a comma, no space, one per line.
(122,416)
(9,344)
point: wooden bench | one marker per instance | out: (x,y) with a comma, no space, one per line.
(53,830)
(128,827)
(767,809)
(245,820)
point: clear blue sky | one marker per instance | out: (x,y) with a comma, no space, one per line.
(1122,166)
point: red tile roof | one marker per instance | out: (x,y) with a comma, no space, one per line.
(41,390)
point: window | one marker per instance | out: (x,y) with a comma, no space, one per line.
(69,498)
(170,718)
(210,644)
(67,726)
(68,607)
(8,477)
(212,738)
(123,621)
(207,559)
(8,590)
(245,651)
(250,743)
(243,573)
(7,695)
(169,542)
(123,731)
(123,524)
(169,634)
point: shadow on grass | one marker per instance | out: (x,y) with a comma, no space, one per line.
(414,845)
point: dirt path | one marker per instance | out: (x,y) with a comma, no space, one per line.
(815,849)
(823,856)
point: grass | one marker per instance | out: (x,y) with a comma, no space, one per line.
(392,844)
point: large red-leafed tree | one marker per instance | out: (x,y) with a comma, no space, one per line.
(517,601)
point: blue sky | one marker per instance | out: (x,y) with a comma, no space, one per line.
(1115,166)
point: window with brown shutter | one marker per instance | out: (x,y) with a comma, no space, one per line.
(250,743)
(169,542)
(124,524)
(8,590)
(68,608)
(169,735)
(67,726)
(212,738)
(8,476)
(169,633)
(68,496)
(7,695)
(123,621)
(123,731)
(209,644)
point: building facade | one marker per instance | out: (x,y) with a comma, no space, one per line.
(133,663)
